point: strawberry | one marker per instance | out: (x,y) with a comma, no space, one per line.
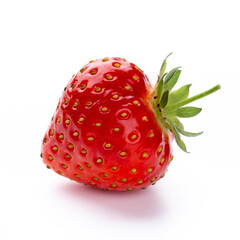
(112,130)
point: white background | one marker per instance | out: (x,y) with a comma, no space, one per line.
(43,43)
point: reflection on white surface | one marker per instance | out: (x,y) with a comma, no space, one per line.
(135,204)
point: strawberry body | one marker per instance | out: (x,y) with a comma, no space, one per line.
(104,132)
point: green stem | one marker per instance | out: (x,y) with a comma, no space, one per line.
(174,107)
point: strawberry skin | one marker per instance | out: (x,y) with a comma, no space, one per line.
(104,132)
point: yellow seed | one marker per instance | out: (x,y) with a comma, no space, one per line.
(129,189)
(75,134)
(133,170)
(124,114)
(114,168)
(139,182)
(105,59)
(113,185)
(81,119)
(50,158)
(123,154)
(93,72)
(59,120)
(66,101)
(80,168)
(163,175)
(159,149)
(127,87)
(116,129)
(55,148)
(95,179)
(67,121)
(109,189)
(123,59)
(108,145)
(64,166)
(109,77)
(91,61)
(90,138)
(88,165)
(170,159)
(117,65)
(153,179)
(135,102)
(98,124)
(99,160)
(149,170)
(70,146)
(83,86)
(134,77)
(92,183)
(123,180)
(82,70)
(84,151)
(151,134)
(105,175)
(144,118)
(144,154)
(162,160)
(61,136)
(73,85)
(104,109)
(136,67)
(115,96)
(77,175)
(133,136)
(59,172)
(97,89)
(52,132)
(67,156)
(75,104)
(88,104)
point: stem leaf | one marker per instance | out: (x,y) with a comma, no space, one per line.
(188,134)
(172,81)
(160,88)
(179,141)
(164,65)
(181,144)
(169,106)
(164,99)
(177,105)
(170,74)
(175,121)
(179,94)
(186,112)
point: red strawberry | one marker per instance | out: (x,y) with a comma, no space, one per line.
(112,130)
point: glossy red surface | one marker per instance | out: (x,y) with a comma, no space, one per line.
(104,132)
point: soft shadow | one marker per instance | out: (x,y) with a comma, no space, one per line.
(148,203)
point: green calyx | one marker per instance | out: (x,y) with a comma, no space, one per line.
(169,105)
